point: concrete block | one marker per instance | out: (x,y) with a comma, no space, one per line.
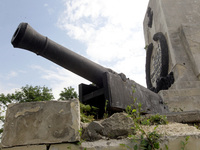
(41,123)
(109,144)
(65,146)
(30,147)
(173,143)
(97,145)
(184,117)
(186,84)
(181,100)
(169,94)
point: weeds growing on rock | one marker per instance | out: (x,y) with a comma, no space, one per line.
(81,140)
(87,113)
(154,120)
(105,115)
(150,140)
(184,143)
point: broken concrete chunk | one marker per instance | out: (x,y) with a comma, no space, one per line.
(117,126)
(42,122)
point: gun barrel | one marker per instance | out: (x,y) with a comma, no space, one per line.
(26,37)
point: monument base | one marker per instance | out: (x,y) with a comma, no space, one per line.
(184,96)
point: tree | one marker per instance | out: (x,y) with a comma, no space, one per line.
(68,93)
(27,94)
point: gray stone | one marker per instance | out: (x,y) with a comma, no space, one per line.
(184,117)
(117,126)
(30,147)
(186,84)
(93,131)
(182,99)
(41,122)
(65,146)
(97,145)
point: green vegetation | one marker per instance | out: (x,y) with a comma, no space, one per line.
(87,113)
(154,120)
(184,143)
(150,140)
(105,115)
(68,93)
(197,125)
(135,110)
(146,47)
(27,94)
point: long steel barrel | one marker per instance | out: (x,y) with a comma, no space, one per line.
(26,37)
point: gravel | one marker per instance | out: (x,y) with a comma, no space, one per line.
(172,129)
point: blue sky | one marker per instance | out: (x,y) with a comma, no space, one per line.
(108,32)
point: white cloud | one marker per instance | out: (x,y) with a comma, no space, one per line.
(59,78)
(6,88)
(11,74)
(49,9)
(8,82)
(111,30)
(46,5)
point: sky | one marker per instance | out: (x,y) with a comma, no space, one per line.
(108,32)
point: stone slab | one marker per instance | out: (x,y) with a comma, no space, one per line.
(173,143)
(186,103)
(41,122)
(169,94)
(31,147)
(97,145)
(184,117)
(181,100)
(66,146)
(186,84)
